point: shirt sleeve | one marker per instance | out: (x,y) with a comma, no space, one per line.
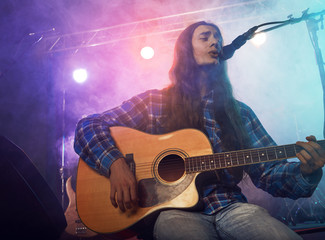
(93,142)
(279,178)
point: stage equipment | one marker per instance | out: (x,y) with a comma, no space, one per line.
(169,26)
(29,208)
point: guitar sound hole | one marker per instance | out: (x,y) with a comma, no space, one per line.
(171,168)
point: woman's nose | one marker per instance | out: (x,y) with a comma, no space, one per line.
(216,43)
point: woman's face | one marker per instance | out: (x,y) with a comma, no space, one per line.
(207,45)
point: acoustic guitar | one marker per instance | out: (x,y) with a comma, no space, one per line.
(166,167)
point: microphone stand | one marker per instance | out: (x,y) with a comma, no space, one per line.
(312,25)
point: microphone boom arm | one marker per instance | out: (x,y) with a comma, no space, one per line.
(305,16)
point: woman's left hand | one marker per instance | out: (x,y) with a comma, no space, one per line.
(312,156)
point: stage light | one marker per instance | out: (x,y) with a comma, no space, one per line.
(147,52)
(259,39)
(80,75)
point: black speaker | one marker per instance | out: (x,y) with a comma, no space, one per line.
(29,208)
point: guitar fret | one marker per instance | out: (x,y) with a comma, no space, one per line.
(291,150)
(248,157)
(276,155)
(237,159)
(285,152)
(201,164)
(241,158)
(280,152)
(259,158)
(198,164)
(255,157)
(207,163)
(218,161)
(232,158)
(212,163)
(222,161)
(271,153)
(194,164)
(195,168)
(188,162)
(227,160)
(263,155)
(295,149)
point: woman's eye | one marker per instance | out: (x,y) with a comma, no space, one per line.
(204,39)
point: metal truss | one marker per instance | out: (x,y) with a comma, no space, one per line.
(169,26)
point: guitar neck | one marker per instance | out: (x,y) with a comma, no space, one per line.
(242,157)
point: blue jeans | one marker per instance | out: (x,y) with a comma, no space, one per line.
(240,221)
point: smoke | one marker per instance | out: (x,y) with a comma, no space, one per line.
(279,80)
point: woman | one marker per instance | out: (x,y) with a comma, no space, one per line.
(200,97)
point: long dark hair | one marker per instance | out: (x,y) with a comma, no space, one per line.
(184,108)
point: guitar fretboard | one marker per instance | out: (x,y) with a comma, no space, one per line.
(242,157)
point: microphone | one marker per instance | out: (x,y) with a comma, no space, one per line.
(229,50)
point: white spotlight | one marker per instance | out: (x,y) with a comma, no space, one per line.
(259,39)
(147,52)
(80,75)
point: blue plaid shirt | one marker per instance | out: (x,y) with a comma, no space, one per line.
(144,112)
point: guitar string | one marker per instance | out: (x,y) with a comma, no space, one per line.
(290,151)
(198,166)
(221,157)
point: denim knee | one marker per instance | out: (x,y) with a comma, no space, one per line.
(183,225)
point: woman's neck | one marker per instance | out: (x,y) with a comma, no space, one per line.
(207,77)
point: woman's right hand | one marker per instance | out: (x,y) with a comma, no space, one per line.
(123,186)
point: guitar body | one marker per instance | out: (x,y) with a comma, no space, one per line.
(159,169)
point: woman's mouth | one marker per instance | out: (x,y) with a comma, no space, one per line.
(214,54)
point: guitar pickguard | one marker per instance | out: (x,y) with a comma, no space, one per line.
(154,193)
